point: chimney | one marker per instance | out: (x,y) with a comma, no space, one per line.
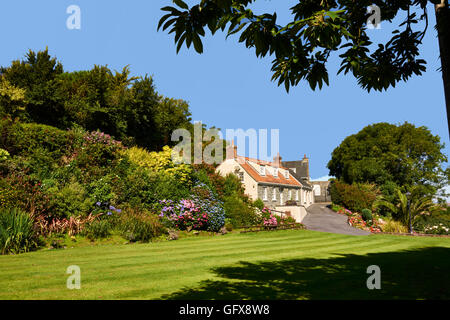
(277,160)
(305,163)
(231,151)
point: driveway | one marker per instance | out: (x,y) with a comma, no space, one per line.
(320,218)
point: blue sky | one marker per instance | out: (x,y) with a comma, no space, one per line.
(227,86)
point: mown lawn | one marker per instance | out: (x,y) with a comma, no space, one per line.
(292,264)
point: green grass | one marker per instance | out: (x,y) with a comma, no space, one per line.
(291,264)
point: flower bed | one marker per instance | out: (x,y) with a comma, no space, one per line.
(203,212)
(355,220)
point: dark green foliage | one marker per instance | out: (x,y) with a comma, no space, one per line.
(302,47)
(366,214)
(125,107)
(354,197)
(37,74)
(389,156)
(24,138)
(17,233)
(239,213)
(258,203)
(98,229)
(135,226)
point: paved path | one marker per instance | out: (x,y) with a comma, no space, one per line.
(320,218)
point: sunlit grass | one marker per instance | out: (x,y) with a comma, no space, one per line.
(235,266)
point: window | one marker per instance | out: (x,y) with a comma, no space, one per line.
(290,194)
(296,195)
(274,194)
(286,174)
(281,197)
(241,176)
(262,170)
(317,190)
(265,194)
(275,172)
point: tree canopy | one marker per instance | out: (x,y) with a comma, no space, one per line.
(386,154)
(37,89)
(318,28)
(302,47)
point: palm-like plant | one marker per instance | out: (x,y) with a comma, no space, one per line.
(399,207)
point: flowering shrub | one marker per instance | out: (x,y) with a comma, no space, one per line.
(98,149)
(356,220)
(193,214)
(202,212)
(98,137)
(271,221)
(432,225)
(105,207)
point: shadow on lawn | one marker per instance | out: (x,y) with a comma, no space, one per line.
(414,274)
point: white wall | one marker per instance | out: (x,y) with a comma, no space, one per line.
(297,212)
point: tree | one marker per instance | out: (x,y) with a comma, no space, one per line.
(391,155)
(36,75)
(320,28)
(400,208)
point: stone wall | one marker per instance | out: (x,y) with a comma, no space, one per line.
(270,189)
(323,195)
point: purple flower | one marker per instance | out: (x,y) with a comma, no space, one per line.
(118,210)
(98,204)
(112,208)
(109,213)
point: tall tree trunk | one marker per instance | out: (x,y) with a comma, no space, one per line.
(443,28)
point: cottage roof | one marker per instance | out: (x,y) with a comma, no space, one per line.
(268,178)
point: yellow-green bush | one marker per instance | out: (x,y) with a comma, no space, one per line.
(160,162)
(394,226)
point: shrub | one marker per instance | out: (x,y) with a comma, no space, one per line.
(142,226)
(239,212)
(69,200)
(286,220)
(432,225)
(354,197)
(16,232)
(24,192)
(366,214)
(258,203)
(24,138)
(98,229)
(206,173)
(99,149)
(160,162)
(203,212)
(394,226)
(228,227)
(4,155)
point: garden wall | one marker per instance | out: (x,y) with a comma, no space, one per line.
(296,212)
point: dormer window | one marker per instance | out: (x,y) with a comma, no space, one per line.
(275,172)
(262,170)
(286,174)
